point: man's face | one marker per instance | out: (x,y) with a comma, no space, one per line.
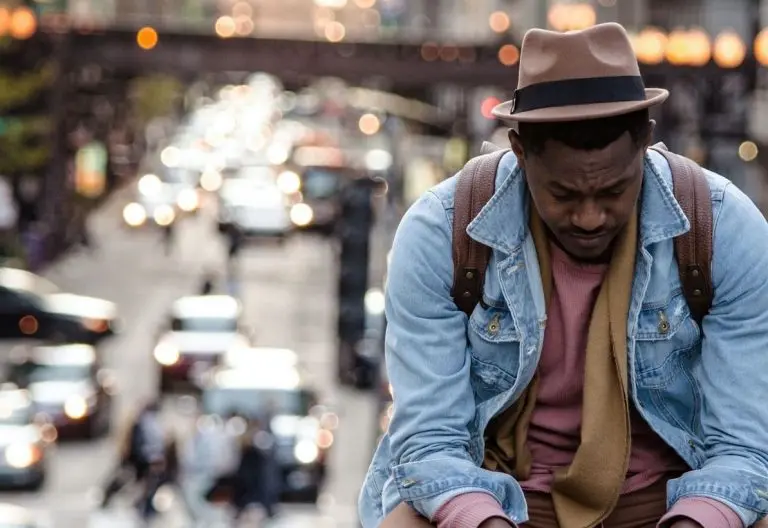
(584,197)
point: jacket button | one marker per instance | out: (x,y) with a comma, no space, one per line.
(494,325)
(407,483)
(663,323)
(470,275)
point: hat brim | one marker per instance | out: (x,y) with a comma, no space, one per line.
(555,114)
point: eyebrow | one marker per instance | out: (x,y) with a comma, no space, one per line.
(624,180)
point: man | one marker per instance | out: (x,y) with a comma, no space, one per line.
(580,391)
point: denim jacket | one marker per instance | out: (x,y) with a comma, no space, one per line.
(703,390)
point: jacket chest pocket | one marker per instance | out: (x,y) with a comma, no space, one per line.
(668,349)
(494,349)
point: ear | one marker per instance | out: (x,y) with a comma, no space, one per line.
(517,147)
(651,131)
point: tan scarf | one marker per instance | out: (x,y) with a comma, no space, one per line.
(587,491)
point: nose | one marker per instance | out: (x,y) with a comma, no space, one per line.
(588,216)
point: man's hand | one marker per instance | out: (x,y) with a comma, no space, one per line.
(496,522)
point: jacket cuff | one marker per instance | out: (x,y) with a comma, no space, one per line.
(469,510)
(709,513)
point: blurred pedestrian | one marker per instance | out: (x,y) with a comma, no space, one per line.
(142,455)
(207,286)
(126,470)
(205,457)
(150,456)
(168,232)
(254,481)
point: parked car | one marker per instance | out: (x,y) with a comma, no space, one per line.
(32,307)
(68,386)
(24,441)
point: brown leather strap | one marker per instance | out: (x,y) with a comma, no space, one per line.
(477,182)
(694,248)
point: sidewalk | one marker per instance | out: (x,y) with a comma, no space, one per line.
(103,220)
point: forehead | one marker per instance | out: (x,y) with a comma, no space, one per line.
(567,166)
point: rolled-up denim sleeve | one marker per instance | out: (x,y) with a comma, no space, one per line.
(733,371)
(429,368)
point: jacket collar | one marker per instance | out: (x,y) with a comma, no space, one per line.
(502,223)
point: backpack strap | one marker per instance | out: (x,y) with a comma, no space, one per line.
(476,185)
(693,249)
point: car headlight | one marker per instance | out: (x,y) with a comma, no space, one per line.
(164,215)
(150,185)
(211,180)
(76,407)
(134,214)
(301,214)
(188,200)
(306,451)
(22,456)
(289,182)
(166,354)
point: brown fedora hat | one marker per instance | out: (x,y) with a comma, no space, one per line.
(577,75)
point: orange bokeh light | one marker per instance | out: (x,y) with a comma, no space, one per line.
(509,55)
(730,50)
(499,21)
(28,325)
(147,38)
(23,23)
(489,103)
(761,47)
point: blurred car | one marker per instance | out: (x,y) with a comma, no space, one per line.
(24,442)
(320,194)
(13,516)
(261,358)
(32,307)
(161,198)
(303,433)
(254,206)
(68,386)
(201,330)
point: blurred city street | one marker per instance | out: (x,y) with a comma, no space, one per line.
(197,203)
(288,299)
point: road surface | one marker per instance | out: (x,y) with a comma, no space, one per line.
(288,296)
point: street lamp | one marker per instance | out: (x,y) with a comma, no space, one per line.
(499,22)
(23,23)
(730,50)
(509,55)
(699,47)
(677,52)
(761,47)
(650,46)
(569,17)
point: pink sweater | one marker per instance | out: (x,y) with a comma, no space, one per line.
(555,426)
